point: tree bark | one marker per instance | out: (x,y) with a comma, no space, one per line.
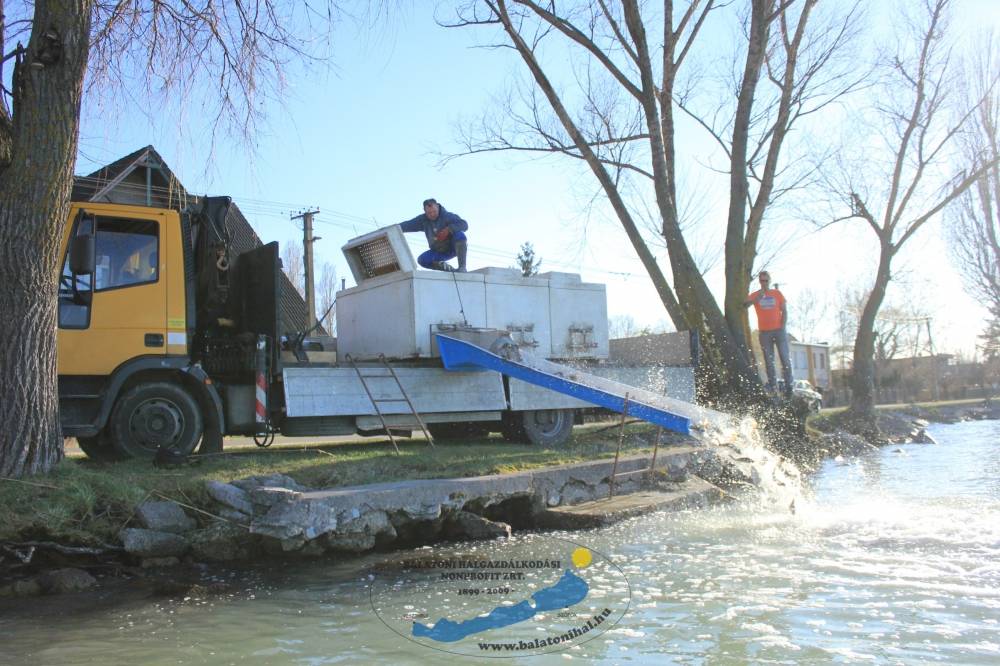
(862,407)
(35,188)
(737,272)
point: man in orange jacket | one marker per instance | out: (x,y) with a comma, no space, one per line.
(772,315)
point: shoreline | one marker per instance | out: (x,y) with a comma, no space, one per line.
(274,519)
(899,424)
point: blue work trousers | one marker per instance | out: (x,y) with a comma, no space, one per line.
(430,257)
(768,341)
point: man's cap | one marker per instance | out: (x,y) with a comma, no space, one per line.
(429,202)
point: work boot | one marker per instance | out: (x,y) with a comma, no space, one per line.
(461,248)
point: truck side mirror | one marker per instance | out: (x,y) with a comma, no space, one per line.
(83,247)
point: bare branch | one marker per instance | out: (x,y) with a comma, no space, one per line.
(567,28)
(957,190)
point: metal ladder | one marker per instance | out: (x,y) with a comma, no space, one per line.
(648,471)
(418,422)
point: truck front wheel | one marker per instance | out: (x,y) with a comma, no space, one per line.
(98,448)
(155,415)
(547,427)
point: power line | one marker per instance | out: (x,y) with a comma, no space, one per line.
(280,210)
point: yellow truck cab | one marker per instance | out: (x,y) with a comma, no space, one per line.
(147,299)
(136,306)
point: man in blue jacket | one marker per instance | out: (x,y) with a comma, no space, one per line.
(444,232)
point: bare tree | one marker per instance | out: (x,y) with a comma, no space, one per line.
(897,187)
(807,312)
(617,115)
(226,54)
(975,222)
(293,264)
(327,293)
(788,73)
(624,326)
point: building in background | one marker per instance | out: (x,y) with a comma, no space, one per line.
(924,379)
(810,361)
(660,362)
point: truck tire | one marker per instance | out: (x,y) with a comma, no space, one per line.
(445,431)
(512,428)
(458,430)
(98,448)
(154,415)
(547,427)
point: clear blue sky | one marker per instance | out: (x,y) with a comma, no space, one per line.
(359,142)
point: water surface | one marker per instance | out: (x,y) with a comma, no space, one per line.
(893,557)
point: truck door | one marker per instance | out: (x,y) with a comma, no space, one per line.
(125,314)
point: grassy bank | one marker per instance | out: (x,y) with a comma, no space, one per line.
(88,503)
(829,419)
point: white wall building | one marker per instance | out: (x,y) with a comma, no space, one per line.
(810,361)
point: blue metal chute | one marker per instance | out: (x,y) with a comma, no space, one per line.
(672,414)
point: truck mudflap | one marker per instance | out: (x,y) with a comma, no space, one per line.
(672,414)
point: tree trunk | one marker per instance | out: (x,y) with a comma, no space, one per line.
(729,378)
(862,408)
(738,272)
(35,187)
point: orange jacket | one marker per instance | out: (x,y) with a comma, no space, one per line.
(770,309)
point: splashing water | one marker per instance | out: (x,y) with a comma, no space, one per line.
(739,450)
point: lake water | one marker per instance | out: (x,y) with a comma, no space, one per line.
(889,558)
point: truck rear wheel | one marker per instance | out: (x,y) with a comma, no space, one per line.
(511,427)
(458,430)
(155,415)
(547,427)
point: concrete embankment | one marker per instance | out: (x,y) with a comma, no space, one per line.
(275,516)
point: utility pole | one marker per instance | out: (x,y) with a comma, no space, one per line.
(934,362)
(307,249)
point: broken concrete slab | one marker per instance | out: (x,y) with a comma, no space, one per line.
(271,481)
(693,492)
(221,542)
(361,533)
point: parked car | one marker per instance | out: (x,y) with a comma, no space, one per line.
(803,390)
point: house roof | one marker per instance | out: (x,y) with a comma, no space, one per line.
(143,178)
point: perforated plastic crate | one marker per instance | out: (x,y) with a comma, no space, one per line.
(378,253)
